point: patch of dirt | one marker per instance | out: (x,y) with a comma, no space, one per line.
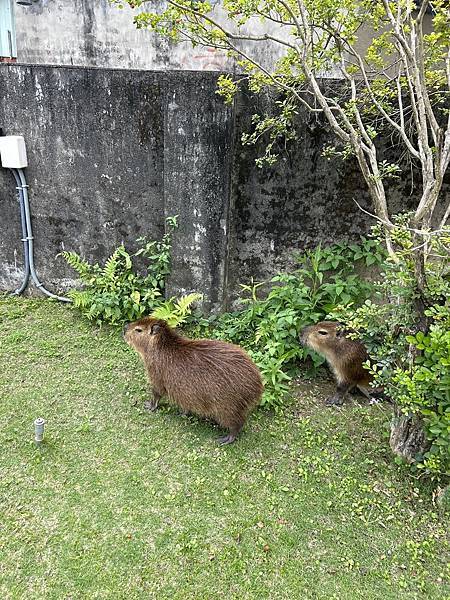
(310,395)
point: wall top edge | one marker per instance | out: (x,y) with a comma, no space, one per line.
(170,72)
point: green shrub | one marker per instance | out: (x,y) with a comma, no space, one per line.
(116,293)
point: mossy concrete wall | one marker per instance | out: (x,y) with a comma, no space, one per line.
(112,153)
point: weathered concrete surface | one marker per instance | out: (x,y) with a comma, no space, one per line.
(302,200)
(105,148)
(197,166)
(97,33)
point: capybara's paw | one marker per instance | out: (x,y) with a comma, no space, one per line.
(334,401)
(226,439)
(150,405)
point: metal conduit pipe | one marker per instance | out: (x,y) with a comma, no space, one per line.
(26,277)
(13,156)
(29,236)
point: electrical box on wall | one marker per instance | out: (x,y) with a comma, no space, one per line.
(13,152)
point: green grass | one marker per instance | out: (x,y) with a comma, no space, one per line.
(119,503)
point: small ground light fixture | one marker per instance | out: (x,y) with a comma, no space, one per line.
(39,431)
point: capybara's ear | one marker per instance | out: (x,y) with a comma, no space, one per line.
(155,328)
(341,332)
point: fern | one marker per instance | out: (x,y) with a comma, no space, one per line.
(175,312)
(81,266)
(117,264)
(166,312)
(81,298)
(183,304)
(109,270)
(115,293)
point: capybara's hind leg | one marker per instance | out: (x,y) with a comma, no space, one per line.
(364,391)
(231,437)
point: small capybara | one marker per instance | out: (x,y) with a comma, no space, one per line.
(210,378)
(344,355)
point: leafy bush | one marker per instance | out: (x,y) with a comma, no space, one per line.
(116,293)
(269,328)
(412,365)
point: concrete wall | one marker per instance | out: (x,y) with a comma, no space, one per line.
(97,33)
(304,198)
(113,152)
(198,133)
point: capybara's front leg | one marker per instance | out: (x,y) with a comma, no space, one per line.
(339,395)
(152,404)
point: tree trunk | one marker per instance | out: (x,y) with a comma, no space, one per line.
(408,436)
(420,302)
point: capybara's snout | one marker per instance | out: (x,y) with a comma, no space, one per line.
(303,335)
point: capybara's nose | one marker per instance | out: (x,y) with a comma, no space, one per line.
(124,330)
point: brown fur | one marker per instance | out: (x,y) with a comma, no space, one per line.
(210,378)
(345,357)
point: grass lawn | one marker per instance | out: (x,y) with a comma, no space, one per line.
(118,503)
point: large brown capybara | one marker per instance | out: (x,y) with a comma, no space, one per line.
(209,378)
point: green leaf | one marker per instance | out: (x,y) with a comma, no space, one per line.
(136,296)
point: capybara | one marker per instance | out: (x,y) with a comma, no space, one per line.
(344,355)
(210,378)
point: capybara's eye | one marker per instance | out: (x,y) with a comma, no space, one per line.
(322,332)
(138,329)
